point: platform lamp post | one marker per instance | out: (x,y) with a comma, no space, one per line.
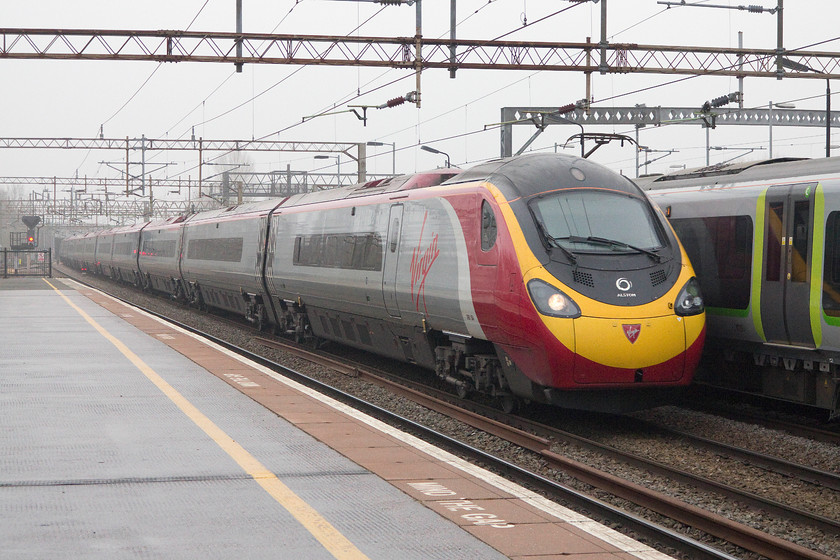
(771,105)
(436,151)
(393,153)
(337,163)
(787,63)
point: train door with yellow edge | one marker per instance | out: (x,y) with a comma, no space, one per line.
(787,268)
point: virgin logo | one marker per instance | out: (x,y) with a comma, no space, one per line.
(632,332)
(421,264)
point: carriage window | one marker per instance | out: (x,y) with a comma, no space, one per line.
(774,241)
(158,248)
(799,241)
(124,248)
(831,275)
(720,250)
(488,226)
(395,229)
(221,249)
(355,251)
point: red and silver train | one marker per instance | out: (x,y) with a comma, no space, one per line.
(541,278)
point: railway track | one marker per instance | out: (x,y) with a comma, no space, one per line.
(812,432)
(539,439)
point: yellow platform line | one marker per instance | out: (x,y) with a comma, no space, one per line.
(336,543)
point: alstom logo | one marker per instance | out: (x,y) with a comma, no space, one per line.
(624,285)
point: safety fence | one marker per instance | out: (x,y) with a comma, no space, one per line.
(25,262)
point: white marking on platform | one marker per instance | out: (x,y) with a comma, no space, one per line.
(241,380)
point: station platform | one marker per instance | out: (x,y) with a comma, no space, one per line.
(124,437)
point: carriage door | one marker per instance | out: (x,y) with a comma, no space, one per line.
(392,254)
(786,278)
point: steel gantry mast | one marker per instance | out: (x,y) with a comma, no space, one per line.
(641,116)
(356,151)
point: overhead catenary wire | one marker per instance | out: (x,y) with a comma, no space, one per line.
(598,101)
(359,94)
(146,81)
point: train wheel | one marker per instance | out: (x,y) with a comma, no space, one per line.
(463,390)
(508,403)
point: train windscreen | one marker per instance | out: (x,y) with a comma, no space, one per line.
(594,221)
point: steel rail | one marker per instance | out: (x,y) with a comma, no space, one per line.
(793,428)
(714,524)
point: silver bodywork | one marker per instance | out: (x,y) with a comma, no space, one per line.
(404,291)
(220,250)
(788,322)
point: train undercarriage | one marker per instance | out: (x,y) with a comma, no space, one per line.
(799,375)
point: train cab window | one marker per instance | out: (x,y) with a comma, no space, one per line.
(488,226)
(593,222)
(831,274)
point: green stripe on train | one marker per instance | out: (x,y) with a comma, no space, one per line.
(758,255)
(727,311)
(817,259)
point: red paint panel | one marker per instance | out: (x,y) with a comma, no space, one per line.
(495,279)
(501,303)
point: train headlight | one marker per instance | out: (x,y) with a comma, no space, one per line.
(690,300)
(551,301)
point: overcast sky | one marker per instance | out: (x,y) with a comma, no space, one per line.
(75,98)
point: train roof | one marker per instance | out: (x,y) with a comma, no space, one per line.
(528,175)
(397,183)
(137,226)
(769,169)
(162,222)
(236,210)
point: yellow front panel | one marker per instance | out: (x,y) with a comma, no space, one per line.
(604,341)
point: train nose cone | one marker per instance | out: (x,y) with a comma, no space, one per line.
(633,351)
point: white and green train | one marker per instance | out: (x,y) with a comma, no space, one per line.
(764,239)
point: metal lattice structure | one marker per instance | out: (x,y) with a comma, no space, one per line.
(91,202)
(200,145)
(410,53)
(98,212)
(195,144)
(658,116)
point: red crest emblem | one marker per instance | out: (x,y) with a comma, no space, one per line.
(632,332)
